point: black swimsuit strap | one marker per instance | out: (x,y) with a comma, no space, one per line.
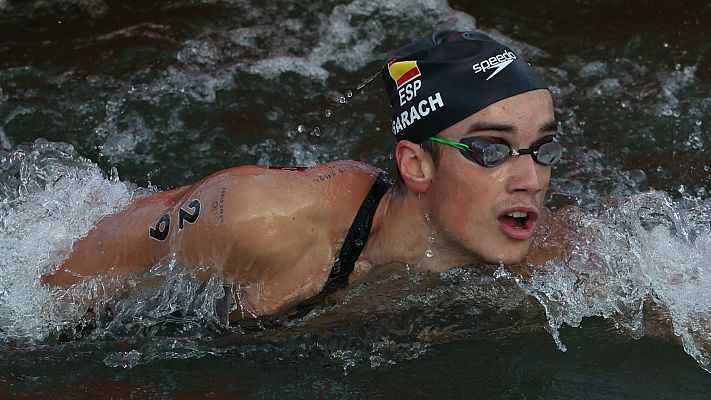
(357,236)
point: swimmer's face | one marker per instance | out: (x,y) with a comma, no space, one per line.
(494,212)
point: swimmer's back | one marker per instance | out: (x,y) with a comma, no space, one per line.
(275,231)
(268,212)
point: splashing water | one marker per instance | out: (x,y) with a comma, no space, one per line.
(643,254)
(167,98)
(638,263)
(49,198)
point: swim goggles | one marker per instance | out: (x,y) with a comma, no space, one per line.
(489,154)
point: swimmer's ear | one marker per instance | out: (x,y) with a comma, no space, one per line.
(416,166)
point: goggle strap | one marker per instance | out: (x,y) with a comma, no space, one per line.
(458,145)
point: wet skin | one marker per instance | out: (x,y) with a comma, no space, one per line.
(276,233)
(468,202)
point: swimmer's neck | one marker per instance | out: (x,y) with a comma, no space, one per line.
(401,233)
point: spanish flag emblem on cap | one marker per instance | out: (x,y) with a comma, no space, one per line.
(403,71)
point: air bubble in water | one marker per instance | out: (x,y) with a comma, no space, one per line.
(327,113)
(707,168)
(342,100)
(349,94)
(316,132)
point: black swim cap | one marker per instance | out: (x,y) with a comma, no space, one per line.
(447,76)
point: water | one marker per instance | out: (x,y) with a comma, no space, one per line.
(130,98)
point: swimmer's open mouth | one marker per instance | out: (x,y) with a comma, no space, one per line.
(516,219)
(519,222)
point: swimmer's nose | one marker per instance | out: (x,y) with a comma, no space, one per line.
(526,175)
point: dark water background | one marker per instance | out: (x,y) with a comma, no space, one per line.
(167,92)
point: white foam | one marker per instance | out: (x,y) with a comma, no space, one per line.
(273,67)
(647,248)
(59,197)
(350,44)
(125,128)
(672,83)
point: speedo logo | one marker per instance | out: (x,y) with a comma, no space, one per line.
(499,61)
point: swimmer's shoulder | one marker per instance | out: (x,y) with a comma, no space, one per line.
(348,169)
(317,181)
(325,188)
(346,173)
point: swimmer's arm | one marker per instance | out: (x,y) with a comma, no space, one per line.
(122,243)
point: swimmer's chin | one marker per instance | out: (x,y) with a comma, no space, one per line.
(518,264)
(507,259)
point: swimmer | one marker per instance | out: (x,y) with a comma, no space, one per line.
(476,141)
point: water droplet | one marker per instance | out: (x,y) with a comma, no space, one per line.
(349,94)
(342,100)
(428,218)
(358,242)
(665,44)
(431,237)
(660,169)
(114,175)
(707,168)
(316,132)
(300,128)
(429,253)
(327,113)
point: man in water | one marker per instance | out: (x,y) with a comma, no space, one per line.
(475,137)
